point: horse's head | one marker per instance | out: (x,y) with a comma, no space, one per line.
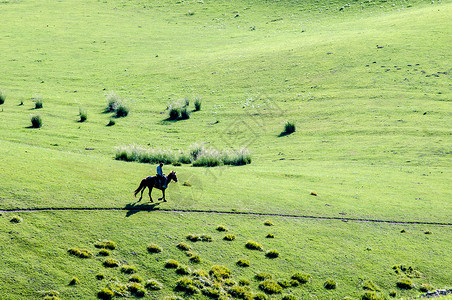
(172,176)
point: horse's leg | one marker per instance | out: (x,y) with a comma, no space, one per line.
(141,196)
(150,191)
(163,191)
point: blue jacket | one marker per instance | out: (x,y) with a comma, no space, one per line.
(159,171)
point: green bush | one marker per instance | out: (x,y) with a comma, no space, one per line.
(183,270)
(289,128)
(197,104)
(104,252)
(272,253)
(174,113)
(153,284)
(330,284)
(171,264)
(239,292)
(211,292)
(252,245)
(183,246)
(194,258)
(83,114)
(243,263)
(369,285)
(127,269)
(268,223)
(393,293)
(371,295)
(193,237)
(284,283)
(222,228)
(262,276)
(260,296)
(80,253)
(121,111)
(244,282)
(270,236)
(113,101)
(425,287)
(105,244)
(200,273)
(16,219)
(2,97)
(206,238)
(100,276)
(74,281)
(405,284)
(289,297)
(270,286)
(219,272)
(186,284)
(184,114)
(301,277)
(136,289)
(229,237)
(36,121)
(111,122)
(111,263)
(105,294)
(153,248)
(38,103)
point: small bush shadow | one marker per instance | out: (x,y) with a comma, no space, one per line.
(133,208)
(284,134)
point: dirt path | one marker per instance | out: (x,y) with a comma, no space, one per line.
(131,210)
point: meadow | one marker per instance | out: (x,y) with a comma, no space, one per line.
(367,85)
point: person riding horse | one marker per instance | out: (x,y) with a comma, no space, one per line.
(160,176)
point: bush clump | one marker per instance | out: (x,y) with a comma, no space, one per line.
(260,296)
(128,269)
(301,277)
(425,287)
(272,253)
(105,244)
(83,253)
(197,104)
(284,283)
(100,276)
(2,97)
(219,272)
(105,294)
(244,282)
(186,285)
(243,263)
(405,284)
(252,245)
(83,114)
(289,297)
(262,276)
(270,286)
(171,264)
(270,236)
(153,285)
(136,289)
(111,263)
(194,258)
(36,121)
(330,284)
(153,248)
(16,219)
(183,246)
(370,286)
(183,270)
(38,103)
(289,128)
(407,270)
(269,223)
(371,295)
(222,228)
(74,281)
(229,237)
(239,292)
(104,252)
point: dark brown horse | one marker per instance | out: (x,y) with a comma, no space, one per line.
(152,182)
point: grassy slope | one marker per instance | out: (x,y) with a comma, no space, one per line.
(386,159)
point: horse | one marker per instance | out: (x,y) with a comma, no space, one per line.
(152,182)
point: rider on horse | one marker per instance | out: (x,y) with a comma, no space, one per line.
(160,177)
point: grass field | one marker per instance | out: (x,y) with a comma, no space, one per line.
(367,84)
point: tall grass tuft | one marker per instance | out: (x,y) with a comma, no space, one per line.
(197,103)
(36,121)
(113,101)
(2,97)
(184,114)
(289,128)
(83,114)
(38,103)
(121,111)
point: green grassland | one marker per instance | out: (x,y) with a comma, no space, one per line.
(367,84)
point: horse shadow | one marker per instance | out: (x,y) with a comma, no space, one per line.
(133,208)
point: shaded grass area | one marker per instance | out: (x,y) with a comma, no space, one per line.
(346,253)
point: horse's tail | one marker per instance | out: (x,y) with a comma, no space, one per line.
(141,187)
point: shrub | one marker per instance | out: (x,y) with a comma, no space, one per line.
(229,237)
(425,287)
(197,104)
(174,113)
(194,258)
(100,276)
(127,269)
(171,264)
(222,228)
(237,157)
(80,253)
(2,97)
(135,278)
(405,284)
(193,237)
(113,101)
(393,293)
(184,114)
(268,223)
(272,253)
(239,292)
(289,128)
(121,111)
(284,283)
(111,263)
(173,297)
(183,246)
(301,277)
(289,297)
(260,296)
(153,284)
(206,238)
(219,272)
(371,295)
(36,121)
(243,263)
(270,236)
(330,284)
(83,115)
(252,245)
(74,281)
(186,284)
(105,244)
(407,270)
(369,285)
(38,103)
(16,219)
(262,276)
(211,292)
(111,122)
(183,270)
(270,286)
(104,252)
(153,248)
(105,294)
(136,289)
(244,282)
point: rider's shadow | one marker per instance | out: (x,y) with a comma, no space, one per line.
(133,208)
